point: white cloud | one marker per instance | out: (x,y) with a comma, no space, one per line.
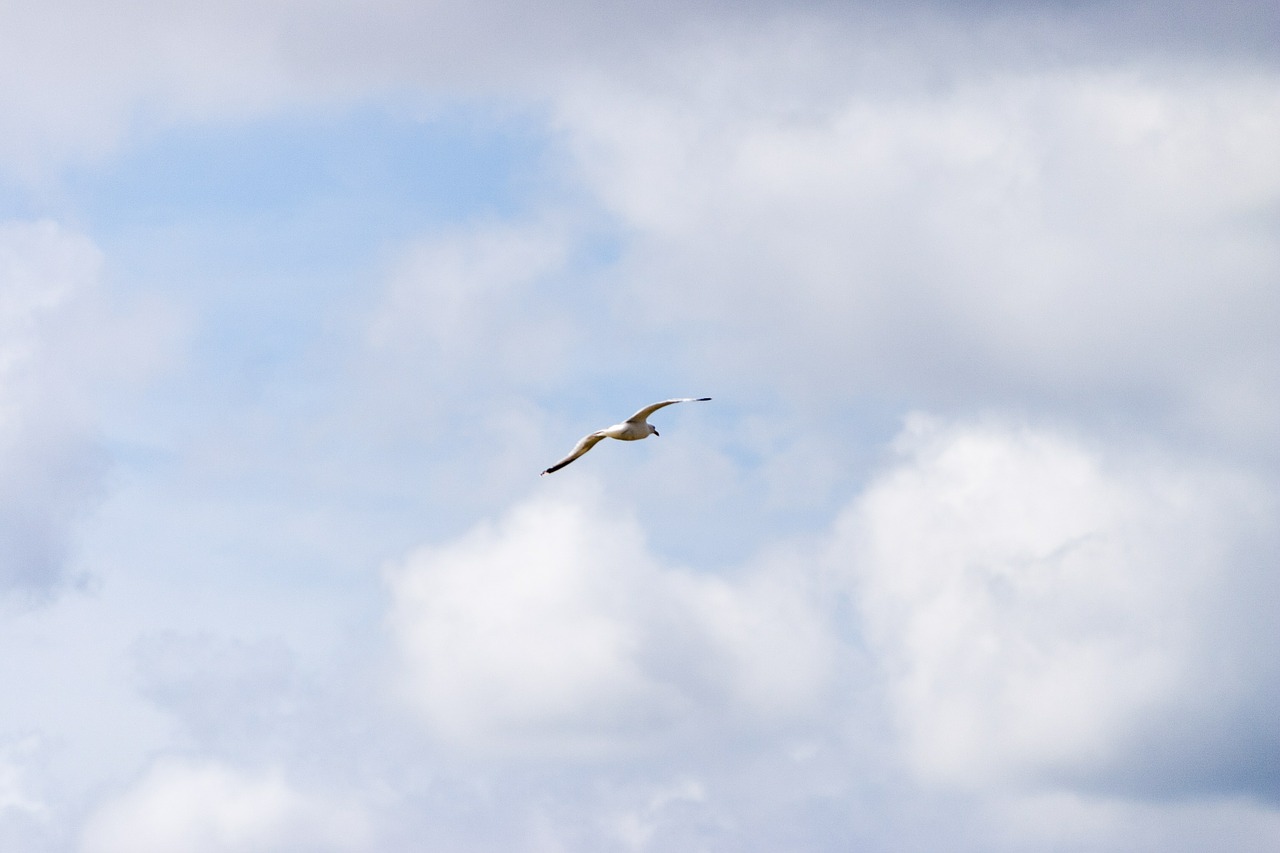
(77,75)
(204,807)
(1047,614)
(636,829)
(1068,235)
(14,794)
(44,269)
(554,630)
(76,78)
(1067,645)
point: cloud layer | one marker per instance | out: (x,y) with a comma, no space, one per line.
(974,548)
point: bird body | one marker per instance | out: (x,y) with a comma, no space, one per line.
(628,431)
(633,428)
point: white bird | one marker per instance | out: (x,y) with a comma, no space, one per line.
(633,428)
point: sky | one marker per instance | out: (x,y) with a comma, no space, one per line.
(976,547)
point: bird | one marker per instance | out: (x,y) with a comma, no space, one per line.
(633,428)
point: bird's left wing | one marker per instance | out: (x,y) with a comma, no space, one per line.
(640,416)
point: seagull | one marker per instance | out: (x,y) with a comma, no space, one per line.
(633,428)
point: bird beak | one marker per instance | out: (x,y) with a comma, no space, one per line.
(655,432)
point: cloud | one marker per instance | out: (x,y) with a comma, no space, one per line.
(1074,822)
(14,796)
(235,696)
(1049,640)
(50,469)
(1051,615)
(76,79)
(554,631)
(1074,238)
(94,73)
(28,810)
(809,208)
(206,806)
(92,76)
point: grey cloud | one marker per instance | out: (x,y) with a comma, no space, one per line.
(51,468)
(231,696)
(79,75)
(46,489)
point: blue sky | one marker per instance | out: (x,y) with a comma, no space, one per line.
(975,547)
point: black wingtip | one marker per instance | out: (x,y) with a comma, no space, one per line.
(702,399)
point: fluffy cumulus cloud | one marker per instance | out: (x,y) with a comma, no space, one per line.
(206,807)
(1052,616)
(1064,235)
(1052,641)
(555,631)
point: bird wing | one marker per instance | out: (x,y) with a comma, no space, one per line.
(587,442)
(640,416)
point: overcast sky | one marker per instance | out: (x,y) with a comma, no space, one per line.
(977,547)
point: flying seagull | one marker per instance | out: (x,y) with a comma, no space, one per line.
(633,428)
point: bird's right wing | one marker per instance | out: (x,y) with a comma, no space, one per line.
(587,442)
(640,416)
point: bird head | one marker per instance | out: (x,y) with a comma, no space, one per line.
(653,430)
